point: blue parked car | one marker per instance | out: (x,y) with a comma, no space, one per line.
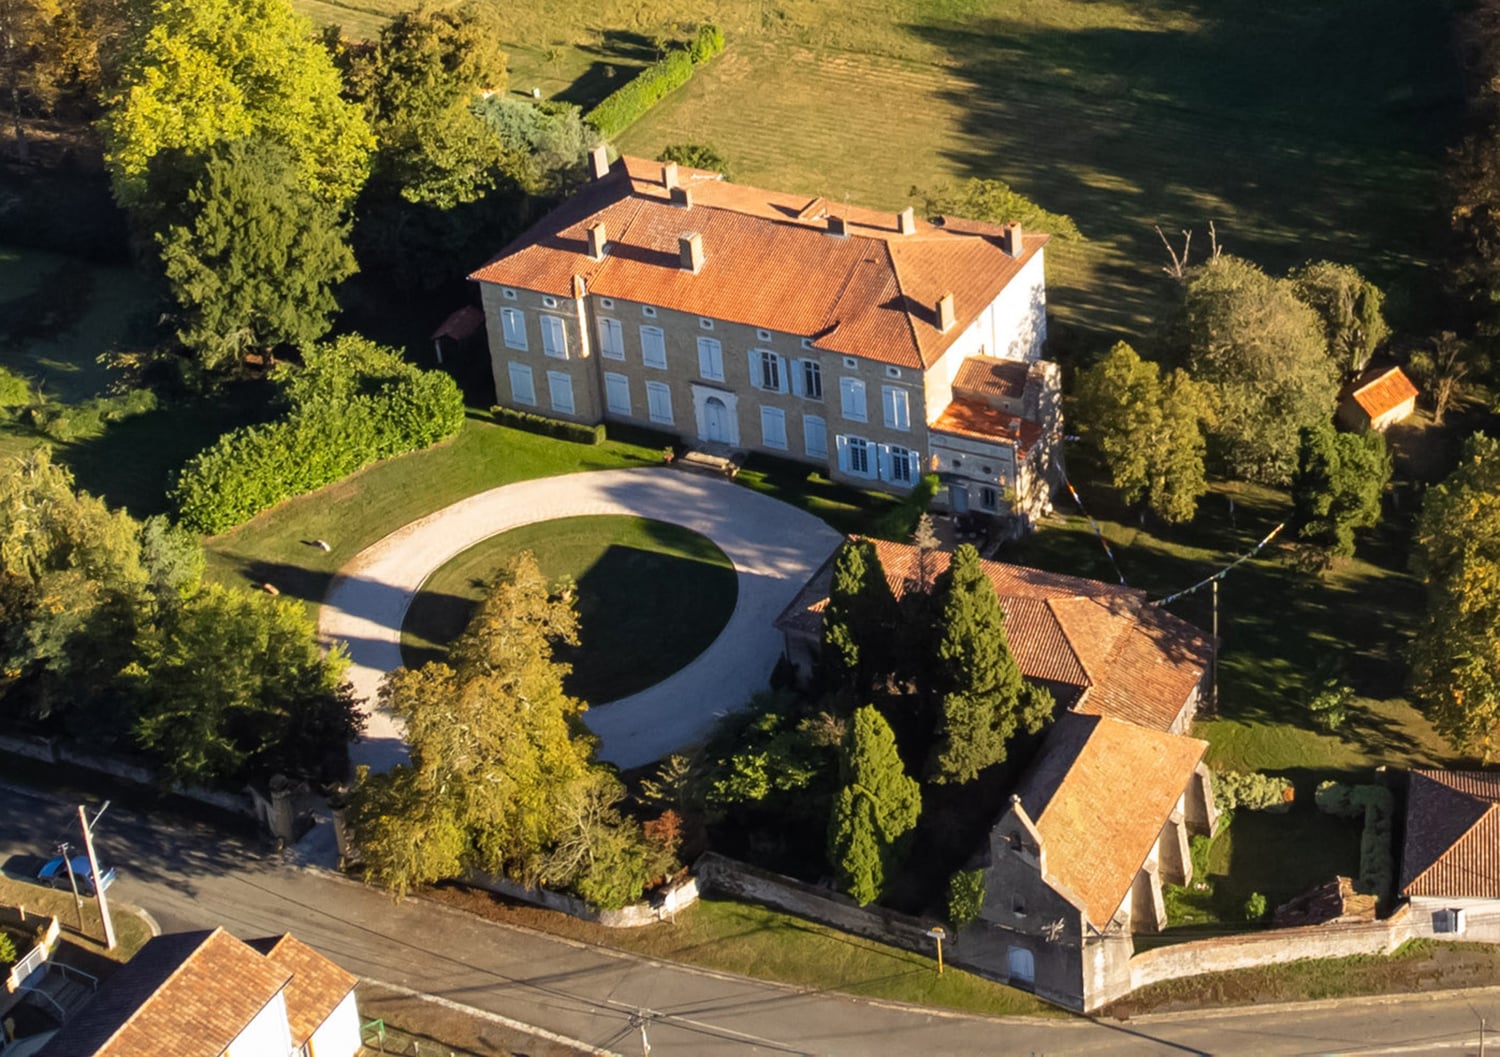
(56,874)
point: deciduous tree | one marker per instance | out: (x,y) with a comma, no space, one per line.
(1264,353)
(996,202)
(983,697)
(1455,654)
(876,806)
(1337,487)
(1444,367)
(1351,308)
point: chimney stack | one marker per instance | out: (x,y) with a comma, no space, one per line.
(683,197)
(598,162)
(1011,241)
(690,252)
(596,241)
(945,316)
(838,226)
(669,175)
(906,221)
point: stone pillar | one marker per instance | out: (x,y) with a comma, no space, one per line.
(282,818)
(1148,911)
(1202,812)
(1172,851)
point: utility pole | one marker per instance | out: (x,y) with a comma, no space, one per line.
(88,844)
(63,850)
(1213,693)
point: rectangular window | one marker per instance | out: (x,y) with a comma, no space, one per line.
(560,391)
(773,427)
(814,436)
(710,359)
(513,325)
(852,399)
(898,465)
(989,498)
(767,371)
(897,409)
(611,339)
(617,393)
(859,456)
(812,379)
(653,347)
(659,402)
(522,390)
(554,337)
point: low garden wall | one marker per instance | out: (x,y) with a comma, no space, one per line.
(661,907)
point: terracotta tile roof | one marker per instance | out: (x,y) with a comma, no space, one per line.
(183,995)
(768,262)
(970,418)
(1099,795)
(1095,642)
(461,324)
(318,985)
(990,377)
(1452,846)
(1380,391)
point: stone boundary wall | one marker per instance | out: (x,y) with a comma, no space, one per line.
(54,751)
(661,907)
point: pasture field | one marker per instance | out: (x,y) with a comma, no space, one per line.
(1301,130)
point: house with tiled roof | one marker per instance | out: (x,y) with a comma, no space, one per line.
(1097,647)
(876,346)
(207,994)
(1377,400)
(1450,858)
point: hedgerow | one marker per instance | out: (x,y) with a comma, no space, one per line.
(353,404)
(630,102)
(1378,806)
(562,429)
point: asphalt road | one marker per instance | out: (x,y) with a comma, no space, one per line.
(190,876)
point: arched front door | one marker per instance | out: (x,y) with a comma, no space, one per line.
(1022,967)
(715,421)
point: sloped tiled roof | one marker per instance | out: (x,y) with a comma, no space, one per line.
(970,418)
(1099,794)
(1452,844)
(316,988)
(990,376)
(1380,391)
(769,262)
(183,995)
(1122,658)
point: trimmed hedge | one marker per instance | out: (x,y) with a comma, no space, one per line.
(576,432)
(330,432)
(629,103)
(1250,790)
(1377,866)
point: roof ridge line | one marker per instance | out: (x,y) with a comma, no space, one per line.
(178,968)
(911,326)
(1486,813)
(1073,649)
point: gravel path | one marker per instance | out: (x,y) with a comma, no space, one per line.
(775,547)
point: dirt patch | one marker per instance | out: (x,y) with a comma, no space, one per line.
(439,1029)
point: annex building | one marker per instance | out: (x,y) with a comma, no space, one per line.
(876,346)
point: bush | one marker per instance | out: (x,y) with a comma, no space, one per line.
(1336,799)
(965,897)
(7,949)
(1250,790)
(1378,806)
(1255,907)
(1330,707)
(696,156)
(363,403)
(15,391)
(629,103)
(708,43)
(69,422)
(577,432)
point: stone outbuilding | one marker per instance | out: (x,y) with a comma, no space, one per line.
(1377,400)
(1450,858)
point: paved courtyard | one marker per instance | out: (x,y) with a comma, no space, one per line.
(774,547)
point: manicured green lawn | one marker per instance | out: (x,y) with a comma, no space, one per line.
(651,597)
(277,547)
(846,509)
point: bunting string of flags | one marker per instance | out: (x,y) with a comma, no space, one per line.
(1097,531)
(1242,559)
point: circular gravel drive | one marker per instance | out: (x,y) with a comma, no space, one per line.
(775,548)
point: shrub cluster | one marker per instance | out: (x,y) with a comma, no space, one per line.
(577,432)
(1378,806)
(1250,790)
(629,103)
(341,420)
(965,896)
(69,422)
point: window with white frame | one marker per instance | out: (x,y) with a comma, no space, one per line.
(549,302)
(554,337)
(606,302)
(659,402)
(513,327)
(762,335)
(767,371)
(617,393)
(611,339)
(852,400)
(560,391)
(773,427)
(856,456)
(896,402)
(522,388)
(705,323)
(710,359)
(850,363)
(898,465)
(893,372)
(810,377)
(815,436)
(653,347)
(648,311)
(510,295)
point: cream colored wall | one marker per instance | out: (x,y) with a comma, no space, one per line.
(579,365)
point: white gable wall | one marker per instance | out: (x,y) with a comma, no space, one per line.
(267,1035)
(338,1036)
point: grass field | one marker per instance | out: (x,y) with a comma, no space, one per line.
(650,597)
(87,947)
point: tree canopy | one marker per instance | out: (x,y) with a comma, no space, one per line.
(994,201)
(253,257)
(1337,487)
(877,804)
(860,619)
(199,75)
(1266,356)
(1351,307)
(1444,366)
(1455,654)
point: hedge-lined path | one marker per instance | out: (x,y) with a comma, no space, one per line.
(775,547)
